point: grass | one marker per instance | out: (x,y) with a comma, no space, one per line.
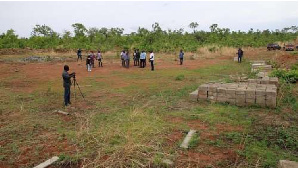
(129,126)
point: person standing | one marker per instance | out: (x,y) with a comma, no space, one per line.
(123,58)
(99,58)
(143,59)
(134,58)
(88,63)
(79,54)
(67,84)
(138,57)
(152,60)
(240,55)
(127,59)
(181,54)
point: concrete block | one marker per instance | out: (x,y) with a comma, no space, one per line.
(252,85)
(240,103)
(258,62)
(230,91)
(240,91)
(194,95)
(260,100)
(250,101)
(47,163)
(212,98)
(287,164)
(202,97)
(260,92)
(203,87)
(201,92)
(235,59)
(221,90)
(261,86)
(272,87)
(185,143)
(274,80)
(212,94)
(222,99)
(270,92)
(250,93)
(231,101)
(61,112)
(242,85)
(213,87)
(252,81)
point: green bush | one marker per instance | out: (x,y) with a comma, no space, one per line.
(289,76)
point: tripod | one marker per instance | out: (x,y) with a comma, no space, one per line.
(75,82)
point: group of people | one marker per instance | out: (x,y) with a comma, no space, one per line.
(90,60)
(139,59)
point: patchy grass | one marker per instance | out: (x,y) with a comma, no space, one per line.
(126,120)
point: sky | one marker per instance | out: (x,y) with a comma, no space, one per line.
(235,15)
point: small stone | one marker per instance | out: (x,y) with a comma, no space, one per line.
(168,162)
(287,164)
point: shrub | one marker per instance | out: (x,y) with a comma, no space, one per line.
(289,76)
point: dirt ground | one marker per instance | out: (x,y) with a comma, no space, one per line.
(32,75)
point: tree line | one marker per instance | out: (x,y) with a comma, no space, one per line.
(157,39)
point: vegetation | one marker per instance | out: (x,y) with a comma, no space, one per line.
(289,76)
(43,37)
(125,127)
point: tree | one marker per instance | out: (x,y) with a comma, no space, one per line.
(213,27)
(79,29)
(43,30)
(193,26)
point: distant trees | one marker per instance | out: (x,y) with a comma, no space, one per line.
(193,26)
(43,36)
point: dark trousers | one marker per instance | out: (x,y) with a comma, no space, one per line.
(100,62)
(67,95)
(79,56)
(152,64)
(239,59)
(143,63)
(136,62)
(123,62)
(127,63)
(181,61)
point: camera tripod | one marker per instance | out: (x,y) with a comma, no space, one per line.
(75,83)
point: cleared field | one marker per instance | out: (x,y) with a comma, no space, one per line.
(138,118)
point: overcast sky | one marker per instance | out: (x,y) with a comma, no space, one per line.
(23,16)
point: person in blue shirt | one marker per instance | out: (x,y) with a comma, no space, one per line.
(143,59)
(240,55)
(181,54)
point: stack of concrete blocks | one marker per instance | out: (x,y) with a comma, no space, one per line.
(240,94)
(265,80)
(261,67)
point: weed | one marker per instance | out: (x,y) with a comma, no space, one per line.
(179,77)
(194,140)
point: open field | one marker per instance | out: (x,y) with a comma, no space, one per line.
(138,118)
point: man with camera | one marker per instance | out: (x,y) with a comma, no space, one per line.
(67,84)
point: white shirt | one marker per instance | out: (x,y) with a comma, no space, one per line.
(152,56)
